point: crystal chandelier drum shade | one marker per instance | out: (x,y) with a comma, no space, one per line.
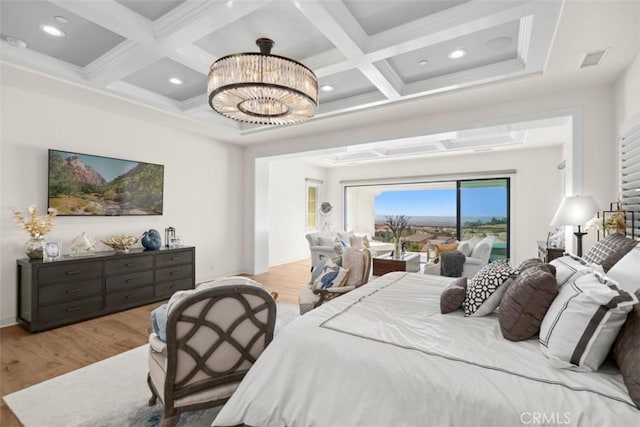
(262,88)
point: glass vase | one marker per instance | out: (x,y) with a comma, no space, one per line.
(34,248)
(397,252)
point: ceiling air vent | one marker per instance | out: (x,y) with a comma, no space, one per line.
(592,58)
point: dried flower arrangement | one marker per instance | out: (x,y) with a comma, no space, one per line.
(36,225)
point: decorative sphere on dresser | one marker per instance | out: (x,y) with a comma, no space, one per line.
(151,240)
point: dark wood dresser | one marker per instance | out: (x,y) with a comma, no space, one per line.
(72,289)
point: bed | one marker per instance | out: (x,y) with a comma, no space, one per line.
(383,355)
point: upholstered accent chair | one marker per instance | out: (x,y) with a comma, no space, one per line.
(321,246)
(214,335)
(478,258)
(357,261)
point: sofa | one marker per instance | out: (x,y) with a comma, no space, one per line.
(323,244)
(477,252)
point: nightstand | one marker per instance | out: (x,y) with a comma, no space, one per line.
(548,254)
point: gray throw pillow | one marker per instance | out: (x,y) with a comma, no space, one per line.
(610,250)
(453,295)
(526,302)
(626,352)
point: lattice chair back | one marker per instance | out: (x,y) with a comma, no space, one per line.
(214,336)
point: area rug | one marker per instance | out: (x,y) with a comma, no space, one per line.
(109,393)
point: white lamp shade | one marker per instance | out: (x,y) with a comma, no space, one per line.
(575,210)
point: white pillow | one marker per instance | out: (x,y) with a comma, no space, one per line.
(330,276)
(583,322)
(627,271)
(465,247)
(357,242)
(570,267)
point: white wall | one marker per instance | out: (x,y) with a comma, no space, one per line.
(287,208)
(202,182)
(626,91)
(535,187)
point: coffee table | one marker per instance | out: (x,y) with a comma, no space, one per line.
(387,264)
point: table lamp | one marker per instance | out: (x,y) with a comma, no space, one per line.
(575,210)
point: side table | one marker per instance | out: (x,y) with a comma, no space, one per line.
(387,264)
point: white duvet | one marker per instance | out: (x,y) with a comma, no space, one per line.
(383,355)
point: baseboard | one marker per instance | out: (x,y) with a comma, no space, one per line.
(8,321)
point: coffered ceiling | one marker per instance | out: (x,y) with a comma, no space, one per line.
(369,52)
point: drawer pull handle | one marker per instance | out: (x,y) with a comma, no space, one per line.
(71,273)
(174,272)
(131,295)
(76,308)
(175,258)
(130,264)
(72,291)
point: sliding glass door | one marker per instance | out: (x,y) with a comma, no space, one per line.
(483,209)
(438,212)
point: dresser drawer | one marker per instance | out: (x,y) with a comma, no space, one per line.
(128,281)
(126,265)
(69,272)
(57,294)
(71,310)
(118,300)
(167,289)
(174,273)
(174,258)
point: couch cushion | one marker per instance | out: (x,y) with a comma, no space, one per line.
(626,352)
(355,260)
(582,323)
(484,284)
(452,297)
(525,303)
(610,250)
(483,249)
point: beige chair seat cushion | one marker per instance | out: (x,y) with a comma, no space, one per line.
(157,371)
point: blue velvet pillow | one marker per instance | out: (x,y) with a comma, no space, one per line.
(159,322)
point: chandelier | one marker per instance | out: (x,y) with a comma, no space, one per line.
(262,88)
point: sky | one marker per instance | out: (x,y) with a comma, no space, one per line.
(107,167)
(476,202)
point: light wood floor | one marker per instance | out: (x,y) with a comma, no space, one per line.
(27,359)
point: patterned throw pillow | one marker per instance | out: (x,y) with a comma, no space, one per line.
(484,284)
(581,325)
(610,250)
(453,295)
(331,275)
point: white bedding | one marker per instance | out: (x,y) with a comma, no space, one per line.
(383,355)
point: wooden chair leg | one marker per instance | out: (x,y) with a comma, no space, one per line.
(169,421)
(154,397)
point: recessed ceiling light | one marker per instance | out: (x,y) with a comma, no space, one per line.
(457,54)
(327,88)
(16,42)
(52,31)
(62,19)
(175,81)
(423,62)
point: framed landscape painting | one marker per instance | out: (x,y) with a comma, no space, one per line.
(83,184)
